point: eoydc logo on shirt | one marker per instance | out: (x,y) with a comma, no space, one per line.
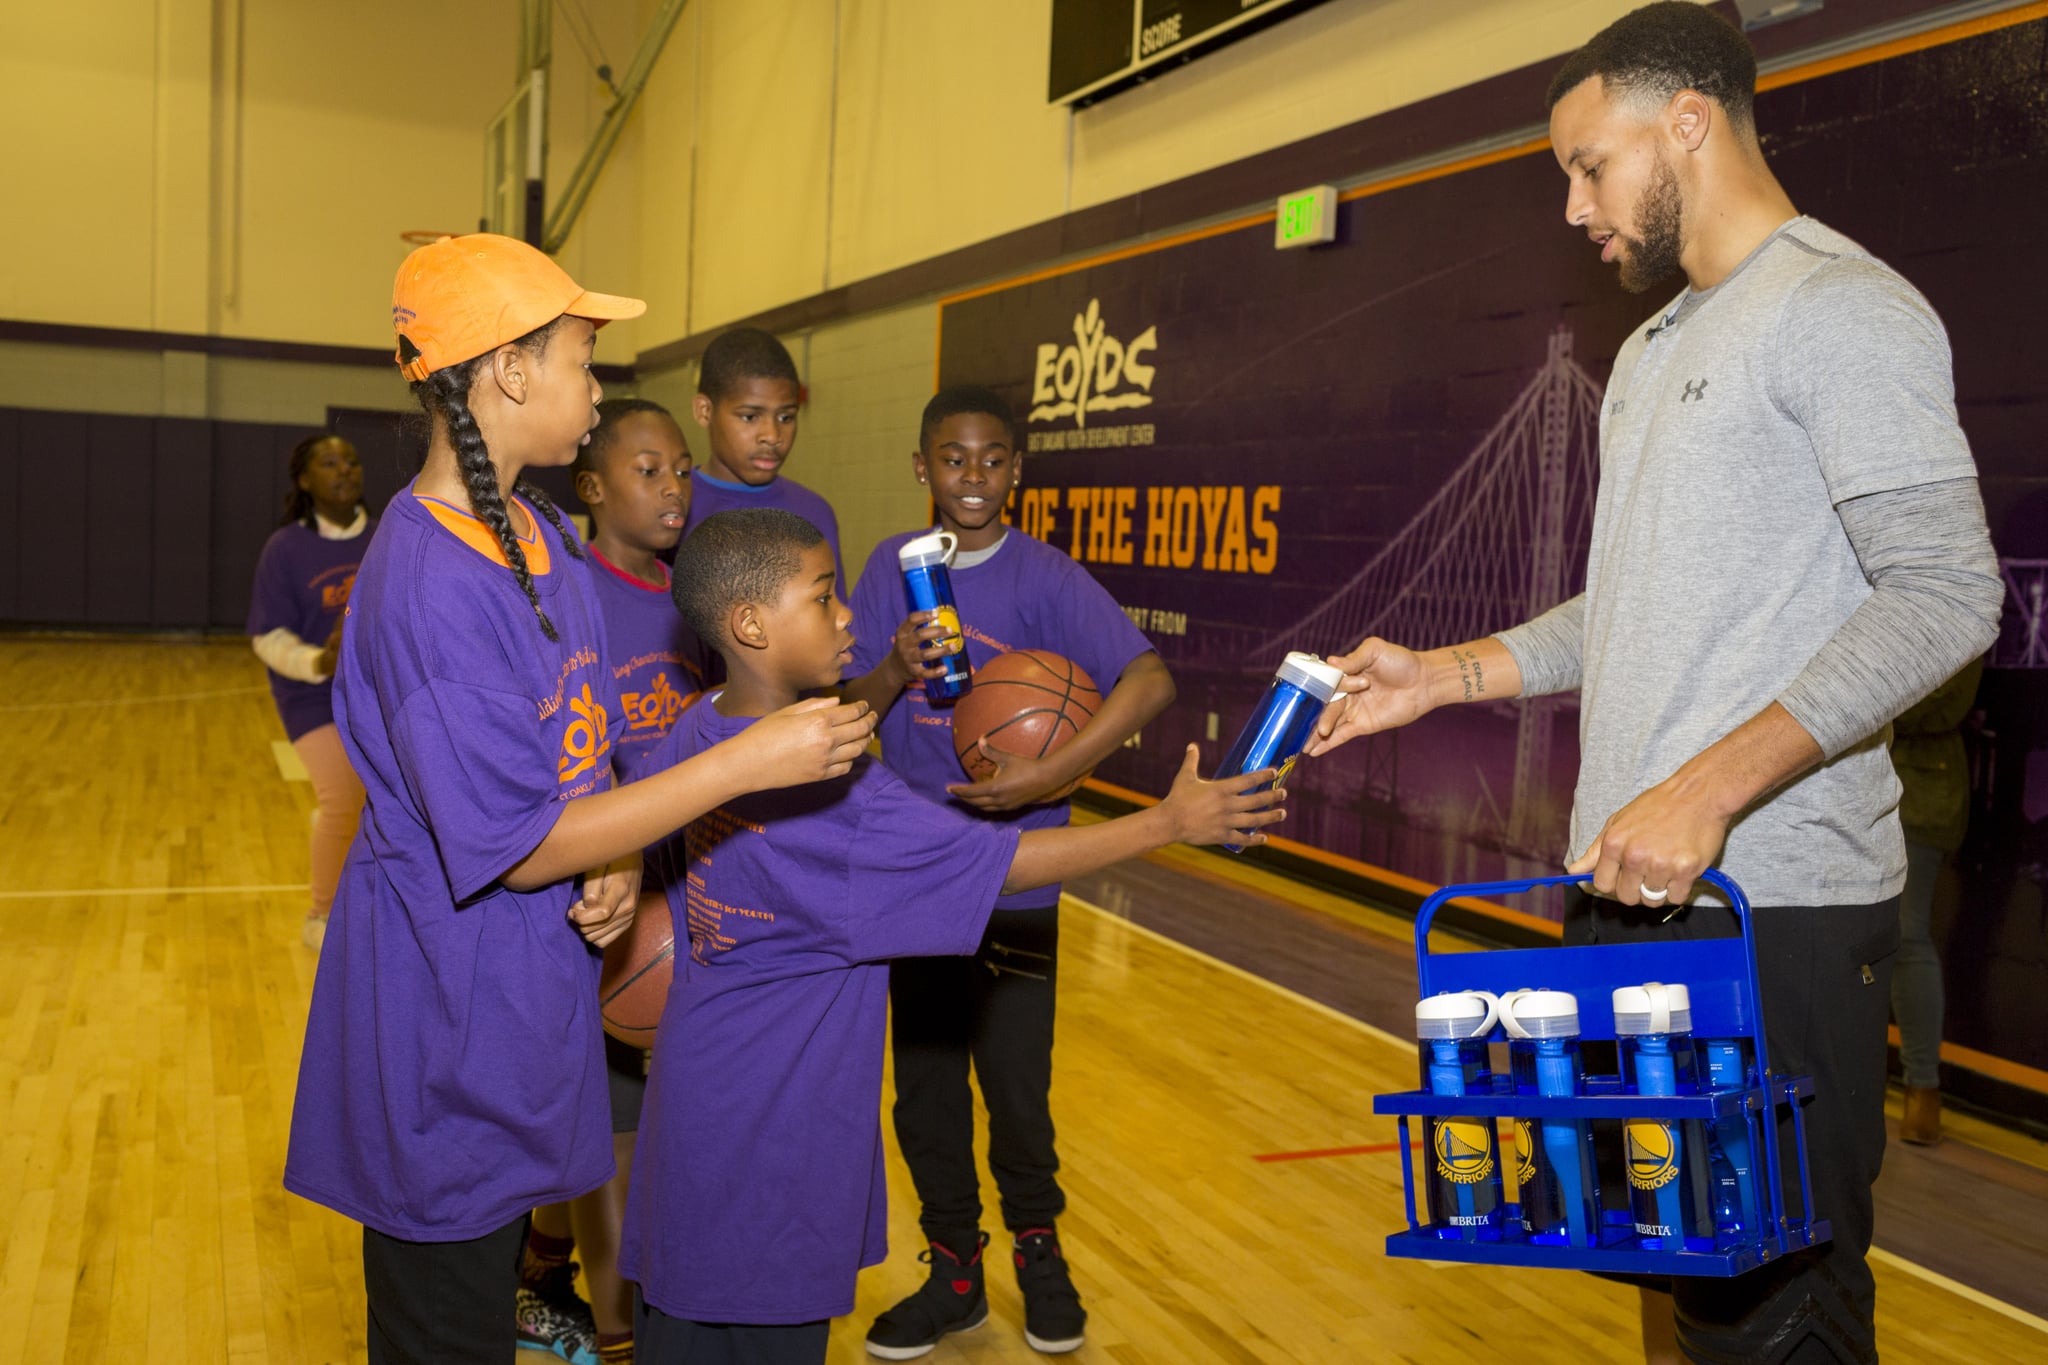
(587,738)
(334,586)
(1096,372)
(655,709)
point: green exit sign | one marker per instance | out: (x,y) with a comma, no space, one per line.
(1306,218)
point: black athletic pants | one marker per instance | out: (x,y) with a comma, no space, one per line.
(995,1011)
(443,1303)
(1824,973)
(659,1339)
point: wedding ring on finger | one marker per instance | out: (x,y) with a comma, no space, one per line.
(1650,897)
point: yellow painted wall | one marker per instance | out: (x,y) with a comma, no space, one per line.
(243,168)
(831,142)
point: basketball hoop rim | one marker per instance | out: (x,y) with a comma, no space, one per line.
(424,236)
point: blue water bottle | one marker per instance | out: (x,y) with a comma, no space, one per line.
(1460,1156)
(1558,1175)
(1726,1066)
(928,585)
(1286,716)
(1666,1159)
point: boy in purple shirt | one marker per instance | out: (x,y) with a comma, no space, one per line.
(995,1008)
(759,1192)
(633,475)
(748,396)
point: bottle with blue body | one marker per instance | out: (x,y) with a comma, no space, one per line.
(1286,716)
(1669,1192)
(1460,1156)
(928,586)
(1558,1174)
(1725,1065)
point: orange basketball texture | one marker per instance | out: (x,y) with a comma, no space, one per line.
(638,967)
(1028,701)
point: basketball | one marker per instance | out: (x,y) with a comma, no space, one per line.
(638,967)
(1028,701)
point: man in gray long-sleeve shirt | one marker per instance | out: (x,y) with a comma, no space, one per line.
(1788,550)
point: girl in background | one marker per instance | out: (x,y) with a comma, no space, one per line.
(303,580)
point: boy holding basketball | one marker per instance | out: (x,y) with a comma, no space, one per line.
(995,1008)
(759,1191)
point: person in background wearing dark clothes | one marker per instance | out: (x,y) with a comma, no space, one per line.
(1927,751)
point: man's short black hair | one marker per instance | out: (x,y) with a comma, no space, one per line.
(744,353)
(1661,49)
(745,555)
(960,400)
(610,413)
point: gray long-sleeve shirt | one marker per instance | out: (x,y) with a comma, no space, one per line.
(1788,512)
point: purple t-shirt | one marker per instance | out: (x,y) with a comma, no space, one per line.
(709,495)
(453,1074)
(302,584)
(1027,595)
(758,1192)
(656,661)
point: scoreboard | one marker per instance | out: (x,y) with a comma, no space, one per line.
(1102,46)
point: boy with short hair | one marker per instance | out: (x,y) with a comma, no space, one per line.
(633,475)
(748,398)
(759,1193)
(635,478)
(994,1009)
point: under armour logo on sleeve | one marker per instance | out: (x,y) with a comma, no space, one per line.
(1694,388)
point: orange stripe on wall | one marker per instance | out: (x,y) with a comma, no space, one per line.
(1985,1064)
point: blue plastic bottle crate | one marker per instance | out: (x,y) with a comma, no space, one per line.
(1721,976)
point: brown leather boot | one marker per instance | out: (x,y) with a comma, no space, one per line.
(1921,1123)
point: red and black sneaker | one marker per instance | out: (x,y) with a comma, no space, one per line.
(1054,1320)
(953,1300)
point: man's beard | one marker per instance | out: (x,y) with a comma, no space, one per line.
(1653,257)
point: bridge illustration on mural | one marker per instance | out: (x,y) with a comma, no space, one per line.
(2023,634)
(1503,540)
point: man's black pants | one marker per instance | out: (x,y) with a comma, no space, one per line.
(1824,974)
(993,1010)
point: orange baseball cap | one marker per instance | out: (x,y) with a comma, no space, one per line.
(459,297)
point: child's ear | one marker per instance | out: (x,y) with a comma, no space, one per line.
(589,488)
(700,408)
(919,466)
(748,626)
(508,371)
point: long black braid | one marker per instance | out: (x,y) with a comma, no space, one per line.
(298,503)
(445,394)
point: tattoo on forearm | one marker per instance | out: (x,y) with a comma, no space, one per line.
(1471,672)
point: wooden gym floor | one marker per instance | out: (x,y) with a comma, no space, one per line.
(151,1009)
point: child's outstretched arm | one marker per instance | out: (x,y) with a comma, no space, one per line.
(808,742)
(1194,812)
(910,660)
(1142,691)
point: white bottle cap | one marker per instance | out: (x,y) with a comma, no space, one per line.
(1540,1014)
(1455,1014)
(926,550)
(1311,675)
(1652,1007)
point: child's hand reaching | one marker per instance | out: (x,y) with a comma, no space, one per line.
(811,741)
(1227,812)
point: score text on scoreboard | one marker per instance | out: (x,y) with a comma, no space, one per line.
(1306,218)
